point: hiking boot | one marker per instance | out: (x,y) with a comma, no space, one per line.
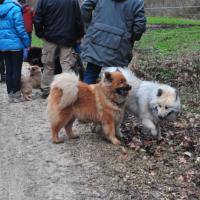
(44,95)
(3,78)
(17,97)
(10,97)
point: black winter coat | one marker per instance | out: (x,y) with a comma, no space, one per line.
(59,21)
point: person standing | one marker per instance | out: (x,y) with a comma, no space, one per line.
(13,39)
(112,28)
(28,22)
(59,24)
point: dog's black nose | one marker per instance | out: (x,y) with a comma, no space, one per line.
(160,117)
(129,87)
(123,90)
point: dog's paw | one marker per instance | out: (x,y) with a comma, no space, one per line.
(73,136)
(28,97)
(57,141)
(115,141)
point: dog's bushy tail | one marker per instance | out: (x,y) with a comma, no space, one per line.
(68,83)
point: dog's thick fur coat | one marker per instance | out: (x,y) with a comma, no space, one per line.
(33,81)
(152,102)
(102,103)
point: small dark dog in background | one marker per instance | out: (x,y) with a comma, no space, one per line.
(34,58)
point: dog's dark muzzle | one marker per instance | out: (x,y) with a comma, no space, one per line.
(123,91)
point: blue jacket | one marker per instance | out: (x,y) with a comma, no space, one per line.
(112,28)
(12,32)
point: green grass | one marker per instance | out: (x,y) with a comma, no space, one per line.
(36,41)
(171,21)
(171,41)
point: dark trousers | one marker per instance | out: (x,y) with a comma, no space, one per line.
(2,64)
(92,73)
(13,60)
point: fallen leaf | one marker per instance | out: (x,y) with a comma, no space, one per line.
(188,154)
(182,160)
(152,173)
(180,179)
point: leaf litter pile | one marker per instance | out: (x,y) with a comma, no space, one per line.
(173,164)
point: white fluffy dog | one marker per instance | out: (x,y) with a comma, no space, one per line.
(152,102)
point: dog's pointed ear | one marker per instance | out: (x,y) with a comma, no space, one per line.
(108,77)
(159,93)
(117,70)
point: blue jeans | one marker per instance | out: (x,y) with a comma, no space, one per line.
(92,73)
(13,60)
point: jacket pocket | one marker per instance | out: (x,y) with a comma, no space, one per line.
(107,36)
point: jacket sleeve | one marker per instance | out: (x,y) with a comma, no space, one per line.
(79,21)
(139,24)
(86,10)
(38,20)
(19,25)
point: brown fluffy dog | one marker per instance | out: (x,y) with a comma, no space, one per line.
(102,103)
(30,82)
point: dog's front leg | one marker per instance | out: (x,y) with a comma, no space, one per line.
(55,131)
(150,125)
(118,131)
(68,129)
(109,131)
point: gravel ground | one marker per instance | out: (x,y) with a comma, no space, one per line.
(32,168)
(88,168)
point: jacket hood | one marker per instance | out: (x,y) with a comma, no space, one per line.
(6,7)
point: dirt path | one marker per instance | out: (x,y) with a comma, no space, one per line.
(89,168)
(33,168)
